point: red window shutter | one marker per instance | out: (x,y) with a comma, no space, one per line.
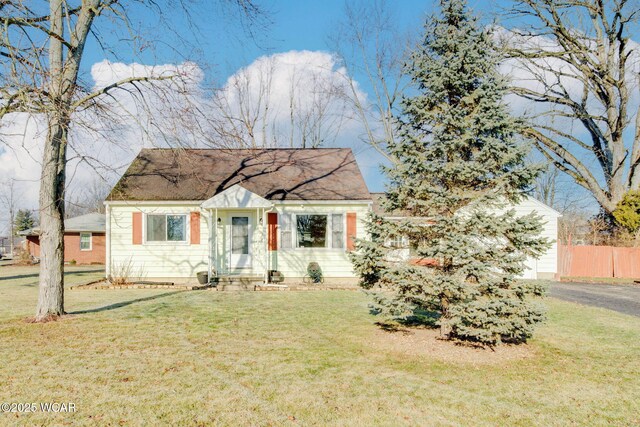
(351,231)
(272,231)
(137,228)
(195,228)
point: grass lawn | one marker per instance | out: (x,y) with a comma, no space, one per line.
(132,357)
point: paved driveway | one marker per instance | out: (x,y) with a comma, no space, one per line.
(621,298)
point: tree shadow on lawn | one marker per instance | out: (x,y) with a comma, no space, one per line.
(419,319)
(125,303)
(37,274)
(426,320)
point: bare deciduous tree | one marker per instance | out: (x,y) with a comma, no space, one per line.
(87,199)
(580,67)
(41,51)
(369,45)
(546,186)
(9,203)
(248,111)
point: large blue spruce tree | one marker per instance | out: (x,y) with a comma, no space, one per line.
(459,170)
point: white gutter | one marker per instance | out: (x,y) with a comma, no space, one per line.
(321,202)
(151,202)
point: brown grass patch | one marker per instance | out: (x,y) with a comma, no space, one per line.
(422,341)
(48,318)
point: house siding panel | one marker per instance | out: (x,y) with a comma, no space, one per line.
(157,259)
(547,265)
(334,263)
(183,261)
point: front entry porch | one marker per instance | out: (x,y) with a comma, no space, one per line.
(237,247)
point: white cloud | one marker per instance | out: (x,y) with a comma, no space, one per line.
(182,112)
(102,141)
(106,72)
(287,99)
(531,73)
(20,157)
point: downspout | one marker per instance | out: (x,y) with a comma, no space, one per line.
(215,241)
(107,240)
(209,240)
(265,217)
(265,236)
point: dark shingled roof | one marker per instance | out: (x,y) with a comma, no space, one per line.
(275,174)
(377,208)
(91,222)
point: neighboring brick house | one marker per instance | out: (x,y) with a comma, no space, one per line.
(84,239)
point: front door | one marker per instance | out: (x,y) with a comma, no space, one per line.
(240,242)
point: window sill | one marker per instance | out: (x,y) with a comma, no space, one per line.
(313,249)
(167,243)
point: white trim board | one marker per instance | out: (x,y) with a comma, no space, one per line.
(200,202)
(236,197)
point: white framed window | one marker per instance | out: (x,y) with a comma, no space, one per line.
(166,228)
(86,241)
(312,231)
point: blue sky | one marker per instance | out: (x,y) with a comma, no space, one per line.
(222,47)
(294,25)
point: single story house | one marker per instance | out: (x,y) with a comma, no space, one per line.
(84,239)
(245,212)
(236,212)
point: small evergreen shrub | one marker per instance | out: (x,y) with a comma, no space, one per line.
(315,272)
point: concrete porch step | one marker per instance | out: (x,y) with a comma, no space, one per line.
(238,283)
(235,287)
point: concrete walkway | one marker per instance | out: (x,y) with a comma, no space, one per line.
(621,298)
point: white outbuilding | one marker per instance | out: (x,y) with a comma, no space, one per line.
(544,267)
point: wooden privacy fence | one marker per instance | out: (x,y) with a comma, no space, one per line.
(598,261)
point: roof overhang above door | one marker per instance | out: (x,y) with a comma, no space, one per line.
(236,197)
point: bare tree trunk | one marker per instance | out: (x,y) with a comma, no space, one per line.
(445,327)
(52,182)
(28,85)
(12,233)
(12,218)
